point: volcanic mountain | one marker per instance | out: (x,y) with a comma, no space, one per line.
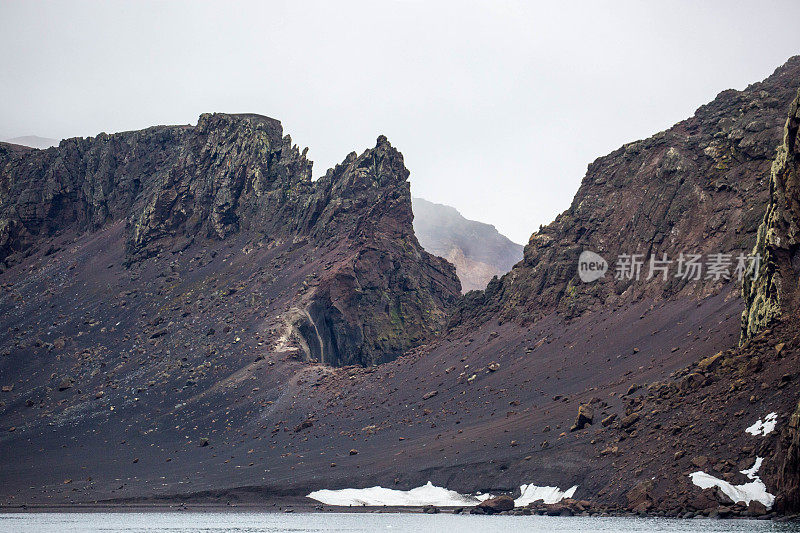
(478,251)
(179,305)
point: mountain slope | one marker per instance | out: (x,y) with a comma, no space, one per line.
(488,405)
(478,250)
(698,187)
(708,407)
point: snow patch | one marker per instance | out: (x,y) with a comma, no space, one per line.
(764,428)
(531,493)
(753,491)
(429,494)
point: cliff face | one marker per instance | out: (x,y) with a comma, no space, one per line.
(389,294)
(78,186)
(172,185)
(775,293)
(478,251)
(175,187)
(784,468)
(698,187)
(776,289)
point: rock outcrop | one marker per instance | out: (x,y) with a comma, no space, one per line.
(773,293)
(495,505)
(784,468)
(775,288)
(389,294)
(178,186)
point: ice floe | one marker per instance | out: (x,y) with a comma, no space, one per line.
(753,491)
(429,494)
(763,428)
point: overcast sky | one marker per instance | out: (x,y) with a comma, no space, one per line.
(498,107)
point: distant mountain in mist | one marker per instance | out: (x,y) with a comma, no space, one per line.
(478,250)
(33,141)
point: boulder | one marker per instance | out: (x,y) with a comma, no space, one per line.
(706,499)
(641,495)
(585,416)
(629,420)
(496,505)
(755,508)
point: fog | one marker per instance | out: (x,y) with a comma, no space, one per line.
(497,106)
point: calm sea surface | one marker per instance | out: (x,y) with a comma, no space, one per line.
(359,522)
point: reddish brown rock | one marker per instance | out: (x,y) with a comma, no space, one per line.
(496,505)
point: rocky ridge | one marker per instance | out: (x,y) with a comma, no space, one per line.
(775,289)
(177,186)
(698,187)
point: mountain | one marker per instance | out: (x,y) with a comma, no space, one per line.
(32,141)
(169,190)
(478,250)
(181,307)
(707,407)
(169,271)
(700,186)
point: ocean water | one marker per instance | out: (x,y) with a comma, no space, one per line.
(191,522)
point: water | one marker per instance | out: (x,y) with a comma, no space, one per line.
(190,522)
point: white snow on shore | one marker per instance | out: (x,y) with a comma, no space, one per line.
(763,428)
(753,491)
(531,493)
(429,494)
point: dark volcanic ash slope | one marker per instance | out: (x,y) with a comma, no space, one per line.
(695,420)
(478,251)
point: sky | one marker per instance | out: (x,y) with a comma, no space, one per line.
(498,107)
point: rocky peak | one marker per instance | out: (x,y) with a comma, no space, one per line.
(364,194)
(234,172)
(367,199)
(376,292)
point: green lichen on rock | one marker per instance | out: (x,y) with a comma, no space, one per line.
(775,288)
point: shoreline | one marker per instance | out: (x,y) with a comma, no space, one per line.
(289,507)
